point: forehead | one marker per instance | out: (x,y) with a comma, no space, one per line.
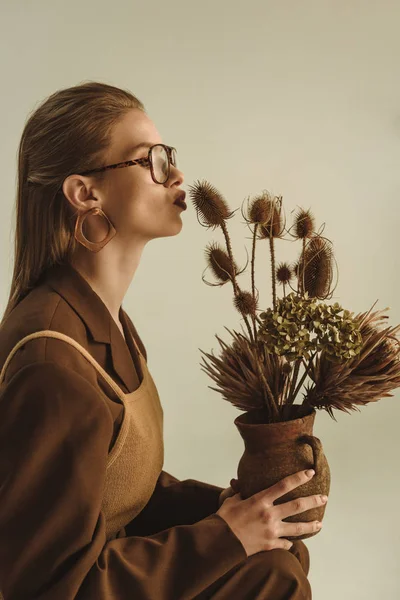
(134,128)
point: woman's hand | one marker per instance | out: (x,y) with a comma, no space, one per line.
(230,491)
(258,522)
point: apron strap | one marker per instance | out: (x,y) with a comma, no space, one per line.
(72,342)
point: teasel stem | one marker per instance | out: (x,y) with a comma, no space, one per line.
(284,390)
(306,372)
(267,392)
(287,387)
(266,388)
(300,289)
(234,282)
(272,250)
(253,285)
(296,369)
(259,321)
(274,405)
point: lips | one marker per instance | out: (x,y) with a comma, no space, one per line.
(180,197)
(181,203)
(180,200)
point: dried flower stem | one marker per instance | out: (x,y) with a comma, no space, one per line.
(308,367)
(267,392)
(272,249)
(253,285)
(285,389)
(295,374)
(300,289)
(274,403)
(234,282)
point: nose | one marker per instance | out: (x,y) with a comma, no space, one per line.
(176,177)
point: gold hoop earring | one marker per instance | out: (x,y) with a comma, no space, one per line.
(80,237)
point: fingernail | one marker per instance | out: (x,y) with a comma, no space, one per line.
(310,472)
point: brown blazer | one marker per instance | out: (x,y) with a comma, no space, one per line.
(55,435)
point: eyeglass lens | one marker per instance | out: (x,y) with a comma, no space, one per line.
(160,161)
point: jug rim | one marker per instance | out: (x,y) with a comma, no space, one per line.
(254,418)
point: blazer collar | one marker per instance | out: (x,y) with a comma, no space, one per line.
(74,288)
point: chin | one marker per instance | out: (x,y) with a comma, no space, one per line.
(169,231)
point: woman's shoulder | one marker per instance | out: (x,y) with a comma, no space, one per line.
(43,309)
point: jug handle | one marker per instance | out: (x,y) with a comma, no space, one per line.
(316,446)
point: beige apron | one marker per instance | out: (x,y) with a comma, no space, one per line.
(136,459)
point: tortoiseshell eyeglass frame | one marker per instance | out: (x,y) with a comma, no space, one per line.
(145,162)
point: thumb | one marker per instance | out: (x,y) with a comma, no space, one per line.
(234,483)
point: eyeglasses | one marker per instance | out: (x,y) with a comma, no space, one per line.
(159,158)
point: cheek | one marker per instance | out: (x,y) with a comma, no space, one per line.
(138,205)
(139,213)
(130,185)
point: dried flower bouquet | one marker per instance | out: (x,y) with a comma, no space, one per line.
(349,359)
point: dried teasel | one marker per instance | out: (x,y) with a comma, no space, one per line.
(245,303)
(220,263)
(274,227)
(283,273)
(304,224)
(260,210)
(259,214)
(211,207)
(315,268)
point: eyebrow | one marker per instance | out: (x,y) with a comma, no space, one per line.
(133,149)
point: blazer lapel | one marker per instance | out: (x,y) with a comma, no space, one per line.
(127,365)
(74,288)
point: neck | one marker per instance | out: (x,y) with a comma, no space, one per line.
(108,275)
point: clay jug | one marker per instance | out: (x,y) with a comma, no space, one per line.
(275,450)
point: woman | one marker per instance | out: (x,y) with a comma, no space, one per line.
(86,510)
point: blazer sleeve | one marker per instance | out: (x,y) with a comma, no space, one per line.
(55,432)
(175,502)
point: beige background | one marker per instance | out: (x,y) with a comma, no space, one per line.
(302,98)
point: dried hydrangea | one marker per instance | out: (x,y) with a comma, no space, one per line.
(301,326)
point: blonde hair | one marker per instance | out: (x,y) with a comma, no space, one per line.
(68,133)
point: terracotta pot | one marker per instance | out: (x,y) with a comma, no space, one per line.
(275,450)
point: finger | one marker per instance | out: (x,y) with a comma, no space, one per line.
(299,505)
(283,487)
(225,494)
(295,529)
(280,543)
(229,492)
(234,483)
